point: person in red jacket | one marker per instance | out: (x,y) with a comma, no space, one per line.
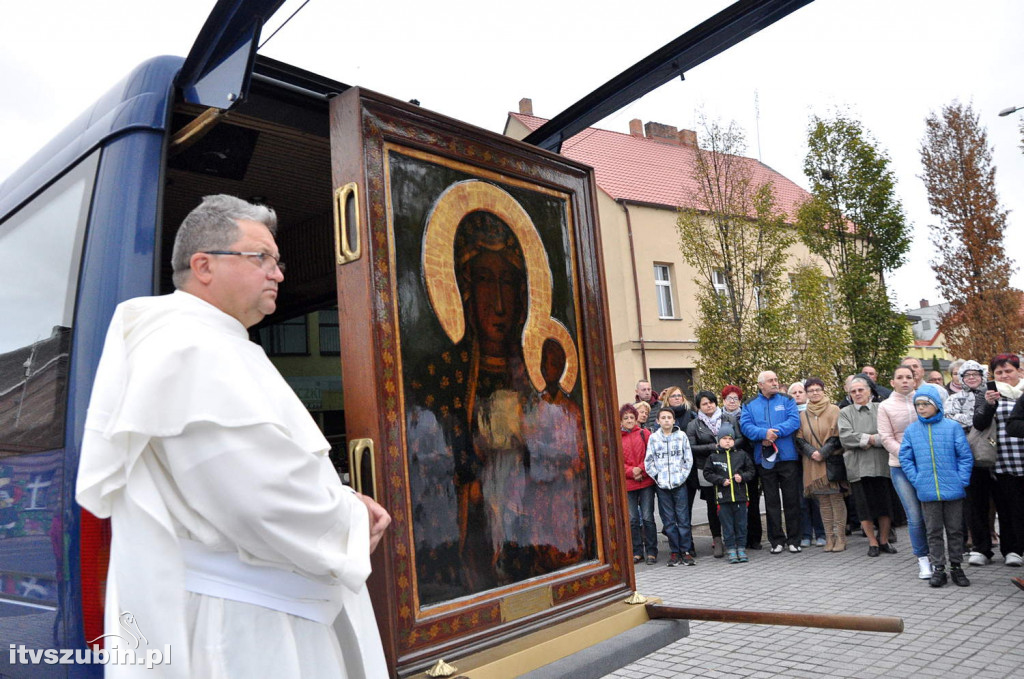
(639,486)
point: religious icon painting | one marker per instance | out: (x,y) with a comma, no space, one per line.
(484,349)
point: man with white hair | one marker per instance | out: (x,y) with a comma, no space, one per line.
(770,421)
(233,539)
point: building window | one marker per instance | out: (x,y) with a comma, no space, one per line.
(663,286)
(718,280)
(330,341)
(287,338)
(926,325)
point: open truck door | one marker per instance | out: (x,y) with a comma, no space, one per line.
(218,68)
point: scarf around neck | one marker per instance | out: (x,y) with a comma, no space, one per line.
(818,408)
(714,421)
(1010,392)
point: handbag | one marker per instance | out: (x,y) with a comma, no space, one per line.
(983,445)
(832,451)
(835,468)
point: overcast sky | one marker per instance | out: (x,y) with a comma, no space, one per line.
(889,63)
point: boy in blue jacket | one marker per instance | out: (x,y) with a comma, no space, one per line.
(937,461)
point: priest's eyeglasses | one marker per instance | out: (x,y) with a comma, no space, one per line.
(267,261)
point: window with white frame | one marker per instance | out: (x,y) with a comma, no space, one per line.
(663,288)
(721,285)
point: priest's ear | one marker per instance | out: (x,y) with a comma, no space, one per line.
(201,265)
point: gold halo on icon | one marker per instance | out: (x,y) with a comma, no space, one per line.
(456,202)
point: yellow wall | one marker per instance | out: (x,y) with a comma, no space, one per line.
(313,374)
(668,343)
(926,353)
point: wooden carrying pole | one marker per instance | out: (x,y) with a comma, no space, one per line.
(860,623)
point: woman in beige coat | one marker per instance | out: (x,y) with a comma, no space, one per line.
(818,423)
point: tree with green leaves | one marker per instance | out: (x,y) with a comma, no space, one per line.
(735,237)
(819,344)
(971,264)
(855,223)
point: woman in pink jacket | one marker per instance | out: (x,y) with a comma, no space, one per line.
(639,486)
(894,415)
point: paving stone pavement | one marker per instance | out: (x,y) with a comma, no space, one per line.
(977,631)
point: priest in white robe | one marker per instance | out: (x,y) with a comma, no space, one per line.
(234,542)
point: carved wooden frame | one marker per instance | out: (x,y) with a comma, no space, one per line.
(366,128)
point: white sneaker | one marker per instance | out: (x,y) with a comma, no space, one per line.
(777,549)
(925,566)
(978,559)
(1013,559)
(796,548)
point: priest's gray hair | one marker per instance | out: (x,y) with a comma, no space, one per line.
(213,226)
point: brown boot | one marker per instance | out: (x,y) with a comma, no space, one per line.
(840,545)
(717,548)
(825,506)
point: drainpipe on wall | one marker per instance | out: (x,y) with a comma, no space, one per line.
(636,289)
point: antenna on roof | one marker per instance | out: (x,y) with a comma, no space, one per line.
(757,124)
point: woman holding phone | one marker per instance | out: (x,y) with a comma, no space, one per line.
(1001,395)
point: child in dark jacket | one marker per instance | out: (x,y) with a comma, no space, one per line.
(937,460)
(730,469)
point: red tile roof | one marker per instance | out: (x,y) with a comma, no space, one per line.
(933,342)
(646,170)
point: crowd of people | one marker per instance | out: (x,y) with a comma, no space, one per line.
(944,459)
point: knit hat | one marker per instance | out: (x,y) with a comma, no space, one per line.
(725,430)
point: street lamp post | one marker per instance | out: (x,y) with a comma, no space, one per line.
(1008,111)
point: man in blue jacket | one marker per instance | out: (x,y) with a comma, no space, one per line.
(770,421)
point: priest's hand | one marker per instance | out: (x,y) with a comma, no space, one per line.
(379,520)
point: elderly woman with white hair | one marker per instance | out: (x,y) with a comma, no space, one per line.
(956,383)
(867,465)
